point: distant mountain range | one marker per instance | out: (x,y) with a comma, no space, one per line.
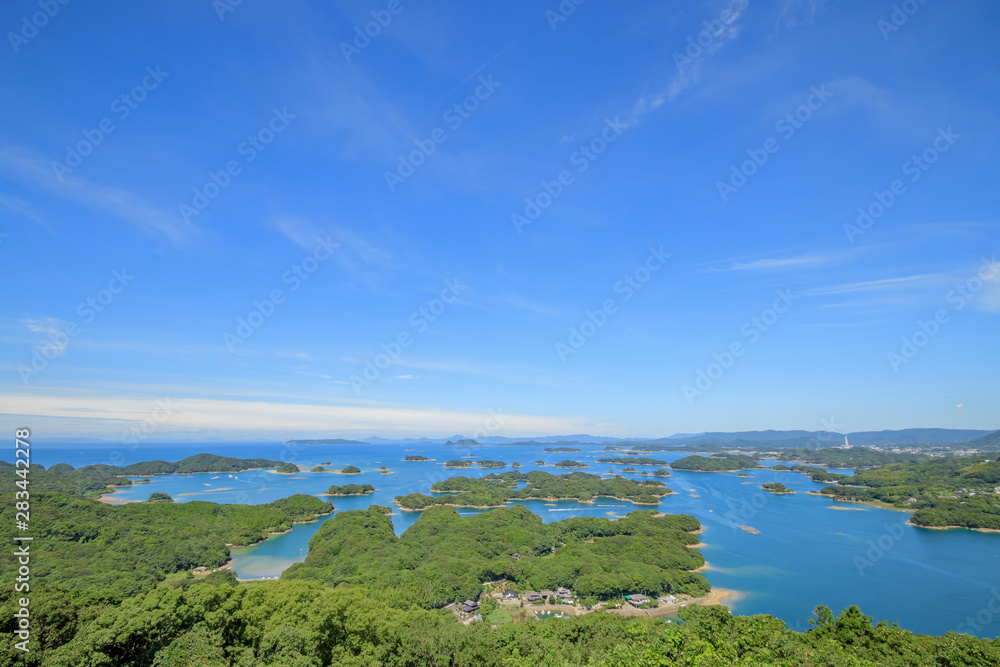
(773,439)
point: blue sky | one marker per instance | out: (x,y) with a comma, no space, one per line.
(594,210)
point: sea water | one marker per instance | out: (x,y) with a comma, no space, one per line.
(806,554)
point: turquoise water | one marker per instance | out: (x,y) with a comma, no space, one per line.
(805,555)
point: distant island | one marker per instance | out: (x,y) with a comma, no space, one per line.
(497,490)
(286,469)
(332,441)
(661,473)
(458,463)
(563,449)
(777,488)
(416,458)
(350,490)
(717,463)
(463,442)
(485,463)
(634,461)
(351,470)
(566,463)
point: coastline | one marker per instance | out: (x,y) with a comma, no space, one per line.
(978,530)
(514,502)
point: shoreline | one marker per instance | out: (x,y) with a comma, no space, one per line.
(978,530)
(515,502)
(271,534)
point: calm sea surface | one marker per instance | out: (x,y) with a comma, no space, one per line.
(806,554)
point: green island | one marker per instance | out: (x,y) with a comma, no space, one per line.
(515,464)
(566,450)
(819,474)
(855,457)
(463,442)
(716,463)
(780,466)
(159,497)
(458,463)
(287,469)
(632,460)
(743,474)
(197,463)
(116,587)
(777,488)
(945,492)
(351,470)
(567,463)
(486,463)
(444,557)
(497,490)
(350,490)
(318,469)
(416,458)
(662,472)
(628,469)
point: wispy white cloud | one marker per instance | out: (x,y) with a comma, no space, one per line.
(26,165)
(52,331)
(94,415)
(22,208)
(798,13)
(876,285)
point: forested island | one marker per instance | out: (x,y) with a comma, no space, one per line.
(444,557)
(562,449)
(632,460)
(416,458)
(351,470)
(497,490)
(716,463)
(330,441)
(458,463)
(486,463)
(776,487)
(953,491)
(350,490)
(662,472)
(197,463)
(566,463)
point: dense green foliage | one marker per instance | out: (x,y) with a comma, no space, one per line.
(120,551)
(856,457)
(443,557)
(947,491)
(318,469)
(776,487)
(567,463)
(350,490)
(458,463)
(496,490)
(297,624)
(486,463)
(199,463)
(720,463)
(416,458)
(662,472)
(288,469)
(820,474)
(158,497)
(351,470)
(631,460)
